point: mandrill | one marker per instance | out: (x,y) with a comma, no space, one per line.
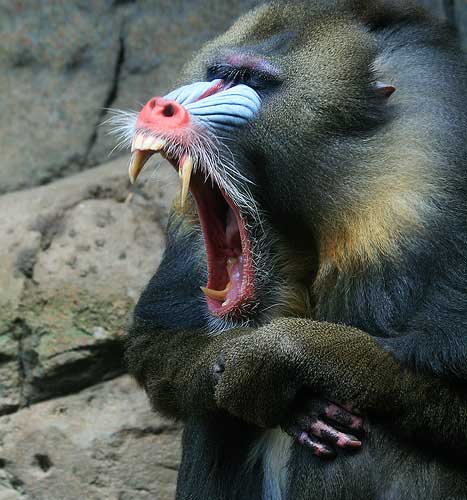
(308,322)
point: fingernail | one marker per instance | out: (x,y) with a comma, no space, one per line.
(321,450)
(303,438)
(356,423)
(348,441)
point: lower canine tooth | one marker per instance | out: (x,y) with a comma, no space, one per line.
(137,161)
(185,174)
(216,294)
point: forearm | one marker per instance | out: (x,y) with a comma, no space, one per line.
(175,368)
(432,411)
(265,372)
(416,405)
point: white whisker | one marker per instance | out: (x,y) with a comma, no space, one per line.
(217,163)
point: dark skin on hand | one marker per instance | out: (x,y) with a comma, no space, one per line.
(321,150)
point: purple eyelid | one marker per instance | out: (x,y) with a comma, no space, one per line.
(252,62)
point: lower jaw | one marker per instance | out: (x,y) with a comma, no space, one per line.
(237,293)
(230,272)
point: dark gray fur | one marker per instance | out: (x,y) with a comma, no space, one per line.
(324,148)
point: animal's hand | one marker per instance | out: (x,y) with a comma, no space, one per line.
(260,375)
(257,378)
(324,426)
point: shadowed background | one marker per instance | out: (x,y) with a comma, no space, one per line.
(73,255)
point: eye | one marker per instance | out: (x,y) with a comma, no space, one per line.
(255,78)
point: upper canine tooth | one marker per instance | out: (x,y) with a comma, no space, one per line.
(137,161)
(184,172)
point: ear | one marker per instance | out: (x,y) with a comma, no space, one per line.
(384,89)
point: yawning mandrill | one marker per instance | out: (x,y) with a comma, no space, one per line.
(322,155)
(185,127)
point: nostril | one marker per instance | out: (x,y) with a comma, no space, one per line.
(160,113)
(169,110)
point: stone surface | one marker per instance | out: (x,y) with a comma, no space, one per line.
(74,255)
(437,7)
(459,16)
(63,63)
(58,63)
(103,443)
(74,258)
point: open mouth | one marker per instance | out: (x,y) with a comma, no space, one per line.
(230,285)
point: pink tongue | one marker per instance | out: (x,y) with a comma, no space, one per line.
(235,270)
(235,262)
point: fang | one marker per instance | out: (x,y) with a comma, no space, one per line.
(216,294)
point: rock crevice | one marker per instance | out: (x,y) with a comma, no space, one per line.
(74,253)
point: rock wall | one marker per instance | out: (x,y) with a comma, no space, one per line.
(102,443)
(63,63)
(74,257)
(75,253)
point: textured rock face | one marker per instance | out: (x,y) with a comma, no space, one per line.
(103,443)
(63,63)
(58,65)
(74,255)
(453,10)
(74,258)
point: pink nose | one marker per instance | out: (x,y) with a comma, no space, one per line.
(161,115)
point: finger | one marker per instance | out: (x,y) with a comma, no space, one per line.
(327,433)
(317,447)
(343,417)
(351,408)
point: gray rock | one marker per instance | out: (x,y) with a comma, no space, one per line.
(436,7)
(63,63)
(73,260)
(459,14)
(10,367)
(103,443)
(158,39)
(57,63)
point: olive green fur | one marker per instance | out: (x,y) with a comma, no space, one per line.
(373,192)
